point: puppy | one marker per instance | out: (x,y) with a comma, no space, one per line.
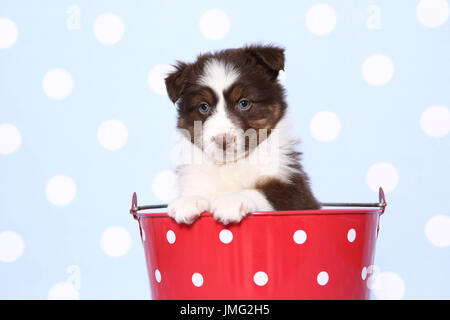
(242,158)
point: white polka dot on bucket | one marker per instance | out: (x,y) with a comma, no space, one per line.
(197,279)
(351,235)
(226,236)
(322,278)
(158,275)
(364,273)
(170,235)
(372,271)
(260,278)
(300,236)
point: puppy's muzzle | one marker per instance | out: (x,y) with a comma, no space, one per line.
(224,141)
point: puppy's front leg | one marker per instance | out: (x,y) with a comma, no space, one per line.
(187,209)
(233,207)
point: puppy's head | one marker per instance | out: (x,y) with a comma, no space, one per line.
(228,102)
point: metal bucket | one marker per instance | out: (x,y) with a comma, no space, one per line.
(307,254)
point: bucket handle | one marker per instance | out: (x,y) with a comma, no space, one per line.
(135,208)
(382,200)
(380,204)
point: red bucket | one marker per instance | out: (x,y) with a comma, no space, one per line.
(309,254)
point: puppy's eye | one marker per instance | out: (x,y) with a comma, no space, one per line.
(244,104)
(203,108)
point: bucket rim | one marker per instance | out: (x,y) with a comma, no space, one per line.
(370,208)
(319,212)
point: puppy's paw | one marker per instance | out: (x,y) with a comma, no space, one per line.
(187,209)
(232,208)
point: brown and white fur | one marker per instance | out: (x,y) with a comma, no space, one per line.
(245,102)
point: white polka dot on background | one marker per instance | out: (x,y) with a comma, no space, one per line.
(156,78)
(378,70)
(260,278)
(171,237)
(109,28)
(57,84)
(351,235)
(11,246)
(115,241)
(226,236)
(432,13)
(8,33)
(383,175)
(182,151)
(282,76)
(388,286)
(164,185)
(10,139)
(435,121)
(112,135)
(157,276)
(322,278)
(300,236)
(325,126)
(321,19)
(197,279)
(214,24)
(61,190)
(63,291)
(437,230)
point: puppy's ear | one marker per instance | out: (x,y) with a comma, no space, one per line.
(176,80)
(271,57)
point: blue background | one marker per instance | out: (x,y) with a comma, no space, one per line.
(379,124)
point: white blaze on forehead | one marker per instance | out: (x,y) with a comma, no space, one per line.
(218,76)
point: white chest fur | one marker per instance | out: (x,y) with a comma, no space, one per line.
(210,180)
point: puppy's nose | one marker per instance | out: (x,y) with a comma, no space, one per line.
(224,140)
